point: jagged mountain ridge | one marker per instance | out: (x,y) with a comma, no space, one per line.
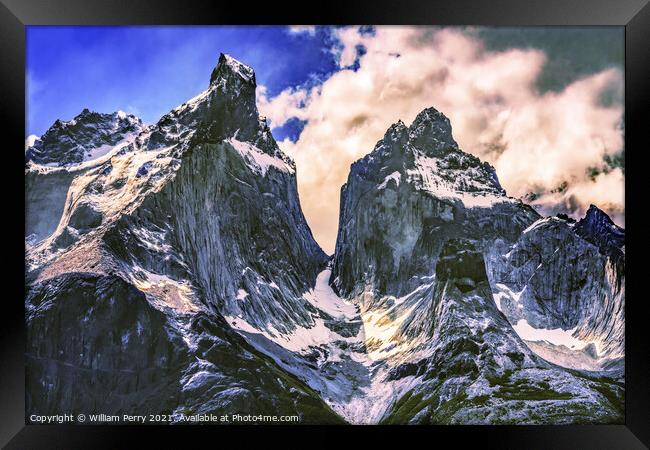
(144,221)
(85,137)
(231,270)
(402,205)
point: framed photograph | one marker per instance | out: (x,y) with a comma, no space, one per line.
(398,218)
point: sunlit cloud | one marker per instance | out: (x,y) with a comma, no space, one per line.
(537,142)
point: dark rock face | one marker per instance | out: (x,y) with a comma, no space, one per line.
(228,375)
(67,143)
(85,217)
(251,233)
(96,345)
(461,262)
(45,195)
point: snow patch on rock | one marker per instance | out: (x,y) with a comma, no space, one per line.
(257,160)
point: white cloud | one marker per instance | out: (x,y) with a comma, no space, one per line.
(535,141)
(349,39)
(606,191)
(286,105)
(30,140)
(302,29)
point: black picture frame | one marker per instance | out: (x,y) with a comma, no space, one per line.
(634,15)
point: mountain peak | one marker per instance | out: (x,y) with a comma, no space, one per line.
(429,157)
(599,229)
(76,140)
(230,68)
(429,114)
(94,116)
(595,213)
(396,132)
(431,131)
(596,218)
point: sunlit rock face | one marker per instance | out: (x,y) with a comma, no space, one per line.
(171,264)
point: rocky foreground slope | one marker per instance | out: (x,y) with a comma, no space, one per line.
(170,269)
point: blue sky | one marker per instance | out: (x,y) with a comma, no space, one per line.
(149,70)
